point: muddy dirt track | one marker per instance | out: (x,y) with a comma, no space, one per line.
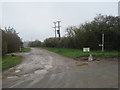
(43,69)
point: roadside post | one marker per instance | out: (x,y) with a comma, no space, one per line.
(102,45)
(90,58)
(102,42)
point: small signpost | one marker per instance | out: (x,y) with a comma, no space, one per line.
(100,45)
(86,49)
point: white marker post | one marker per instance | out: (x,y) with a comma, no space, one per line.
(90,58)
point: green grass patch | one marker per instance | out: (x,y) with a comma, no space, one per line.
(25,49)
(0,64)
(9,61)
(74,53)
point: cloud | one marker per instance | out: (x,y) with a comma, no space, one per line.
(35,20)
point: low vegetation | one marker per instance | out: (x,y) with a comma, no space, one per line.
(9,61)
(25,49)
(74,53)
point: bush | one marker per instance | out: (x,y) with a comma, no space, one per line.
(11,42)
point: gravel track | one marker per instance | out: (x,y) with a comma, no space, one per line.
(43,69)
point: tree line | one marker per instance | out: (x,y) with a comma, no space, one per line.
(89,34)
(11,42)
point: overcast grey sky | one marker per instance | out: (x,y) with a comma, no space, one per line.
(35,20)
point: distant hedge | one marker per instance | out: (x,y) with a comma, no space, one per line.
(35,43)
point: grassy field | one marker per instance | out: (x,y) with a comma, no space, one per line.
(25,49)
(10,61)
(74,53)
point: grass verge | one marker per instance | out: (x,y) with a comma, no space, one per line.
(25,49)
(74,53)
(9,61)
(0,64)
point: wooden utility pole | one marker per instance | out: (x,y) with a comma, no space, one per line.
(102,42)
(58,31)
(55,28)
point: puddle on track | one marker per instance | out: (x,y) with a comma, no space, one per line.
(25,75)
(10,77)
(40,71)
(17,71)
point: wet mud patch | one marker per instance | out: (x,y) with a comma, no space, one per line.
(96,58)
(82,64)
